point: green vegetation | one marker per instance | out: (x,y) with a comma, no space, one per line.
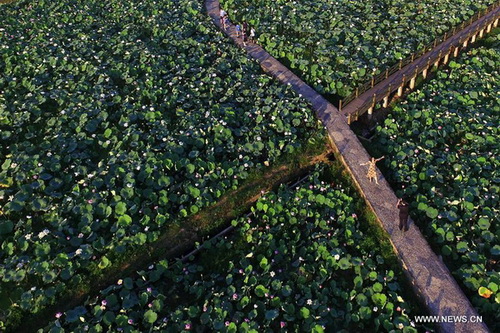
(337,45)
(442,148)
(294,263)
(132,130)
(119,119)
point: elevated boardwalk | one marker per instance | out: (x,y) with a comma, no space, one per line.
(406,72)
(429,277)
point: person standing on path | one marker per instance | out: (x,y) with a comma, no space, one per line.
(245,30)
(222,15)
(404,210)
(252,35)
(238,31)
(244,35)
(372,169)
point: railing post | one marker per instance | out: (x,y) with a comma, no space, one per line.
(373,80)
(473,39)
(400,89)
(357,91)
(436,64)
(386,101)
(387,73)
(370,109)
(400,63)
(340,105)
(455,53)
(446,57)
(412,80)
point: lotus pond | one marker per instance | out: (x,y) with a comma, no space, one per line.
(442,144)
(118,118)
(337,45)
(296,263)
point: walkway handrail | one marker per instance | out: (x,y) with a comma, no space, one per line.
(403,62)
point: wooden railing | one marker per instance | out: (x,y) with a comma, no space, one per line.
(403,62)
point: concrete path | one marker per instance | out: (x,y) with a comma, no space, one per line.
(430,278)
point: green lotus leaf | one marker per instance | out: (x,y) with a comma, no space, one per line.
(150,317)
(304,313)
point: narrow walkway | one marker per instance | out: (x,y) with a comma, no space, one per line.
(443,51)
(430,278)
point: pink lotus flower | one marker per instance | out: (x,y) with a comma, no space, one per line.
(187,327)
(282,324)
(59,315)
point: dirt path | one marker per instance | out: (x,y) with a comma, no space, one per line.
(430,278)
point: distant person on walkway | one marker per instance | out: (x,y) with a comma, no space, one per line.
(245,28)
(223,15)
(238,31)
(244,33)
(372,169)
(404,210)
(252,34)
